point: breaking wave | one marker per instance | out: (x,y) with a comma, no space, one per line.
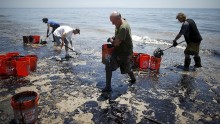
(148,40)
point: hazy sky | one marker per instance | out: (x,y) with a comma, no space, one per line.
(110,3)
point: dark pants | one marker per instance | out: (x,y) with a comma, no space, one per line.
(192,49)
(53,29)
(115,62)
(58,41)
(124,63)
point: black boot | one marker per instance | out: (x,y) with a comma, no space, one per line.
(108,81)
(197,62)
(186,64)
(131,75)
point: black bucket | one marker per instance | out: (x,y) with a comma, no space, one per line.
(28,39)
(25,39)
(31,39)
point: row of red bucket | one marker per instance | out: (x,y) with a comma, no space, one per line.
(35,39)
(12,64)
(145,61)
(140,60)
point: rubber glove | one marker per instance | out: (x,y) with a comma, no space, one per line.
(174,43)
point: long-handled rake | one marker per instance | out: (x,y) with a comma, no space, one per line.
(45,40)
(159,52)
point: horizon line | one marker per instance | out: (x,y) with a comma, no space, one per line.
(105,8)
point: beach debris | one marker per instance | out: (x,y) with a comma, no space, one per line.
(58,58)
(26,98)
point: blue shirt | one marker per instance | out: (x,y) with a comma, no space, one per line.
(53,24)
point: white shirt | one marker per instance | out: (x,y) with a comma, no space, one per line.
(64,29)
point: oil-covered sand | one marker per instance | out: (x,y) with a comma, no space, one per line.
(70,91)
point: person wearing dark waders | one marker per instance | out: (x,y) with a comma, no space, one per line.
(193,39)
(123,50)
(62,35)
(51,24)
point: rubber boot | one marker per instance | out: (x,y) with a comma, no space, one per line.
(108,81)
(67,55)
(197,62)
(186,64)
(131,75)
(53,38)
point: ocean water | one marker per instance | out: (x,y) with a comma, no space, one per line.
(155,24)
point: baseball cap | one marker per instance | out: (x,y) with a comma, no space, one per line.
(78,30)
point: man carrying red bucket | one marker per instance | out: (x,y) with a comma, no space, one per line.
(123,50)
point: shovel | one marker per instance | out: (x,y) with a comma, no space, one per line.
(159,52)
(44,41)
(173,46)
(72,50)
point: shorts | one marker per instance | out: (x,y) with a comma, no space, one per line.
(192,49)
(58,41)
(54,28)
(124,63)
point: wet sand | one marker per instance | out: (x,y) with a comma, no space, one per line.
(70,93)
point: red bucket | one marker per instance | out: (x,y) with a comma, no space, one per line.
(2,56)
(135,54)
(11,67)
(2,65)
(22,66)
(107,50)
(33,62)
(25,107)
(144,61)
(36,39)
(12,54)
(155,63)
(7,66)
